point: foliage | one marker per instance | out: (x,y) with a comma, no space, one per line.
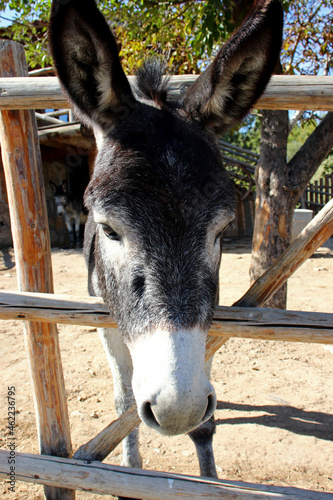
(181,32)
(30,29)
(308,37)
(297,138)
(247,135)
(185,32)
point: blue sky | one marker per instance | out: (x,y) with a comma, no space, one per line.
(7,14)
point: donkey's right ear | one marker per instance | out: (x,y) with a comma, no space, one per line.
(86,58)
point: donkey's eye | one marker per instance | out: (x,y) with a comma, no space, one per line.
(110,233)
(220,233)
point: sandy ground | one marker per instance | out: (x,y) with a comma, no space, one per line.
(274,414)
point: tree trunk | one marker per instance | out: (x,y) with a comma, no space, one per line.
(279,186)
(273,220)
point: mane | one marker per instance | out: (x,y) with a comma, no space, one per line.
(150,82)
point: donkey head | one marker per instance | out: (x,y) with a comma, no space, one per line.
(60,196)
(159,198)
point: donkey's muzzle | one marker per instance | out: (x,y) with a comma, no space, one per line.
(172,391)
(178,420)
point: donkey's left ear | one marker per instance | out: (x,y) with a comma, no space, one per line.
(86,57)
(233,82)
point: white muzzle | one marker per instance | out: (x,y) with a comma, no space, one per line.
(172,391)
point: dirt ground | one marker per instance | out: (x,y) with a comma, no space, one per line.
(275,400)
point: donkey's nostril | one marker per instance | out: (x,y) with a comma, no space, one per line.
(211,406)
(148,415)
(171,422)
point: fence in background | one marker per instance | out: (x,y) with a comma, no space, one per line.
(318,193)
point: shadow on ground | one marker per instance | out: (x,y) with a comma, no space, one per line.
(307,423)
(7,259)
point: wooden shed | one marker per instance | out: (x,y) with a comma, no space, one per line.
(67,151)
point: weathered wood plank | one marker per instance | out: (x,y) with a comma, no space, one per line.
(255,323)
(25,188)
(108,439)
(105,479)
(283,92)
(65,134)
(298,92)
(31,93)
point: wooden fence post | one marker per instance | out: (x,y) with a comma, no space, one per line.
(26,197)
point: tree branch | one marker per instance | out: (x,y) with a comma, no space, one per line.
(296,118)
(313,152)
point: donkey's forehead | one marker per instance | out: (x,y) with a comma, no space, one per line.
(158,134)
(160,161)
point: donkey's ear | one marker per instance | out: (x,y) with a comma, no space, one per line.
(233,82)
(86,58)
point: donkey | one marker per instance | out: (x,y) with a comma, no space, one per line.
(159,201)
(71,209)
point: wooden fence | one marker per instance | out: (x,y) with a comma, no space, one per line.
(282,92)
(318,193)
(60,474)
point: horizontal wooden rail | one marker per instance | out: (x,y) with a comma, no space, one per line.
(105,479)
(255,323)
(283,92)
